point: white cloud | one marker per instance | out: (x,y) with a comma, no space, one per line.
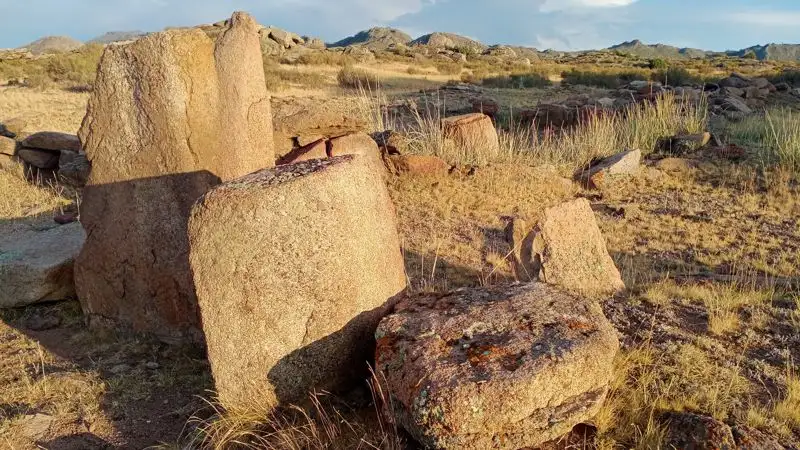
(765,18)
(569,5)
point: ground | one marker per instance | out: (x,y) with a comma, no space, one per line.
(710,322)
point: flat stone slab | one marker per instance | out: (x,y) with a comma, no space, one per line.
(503,367)
(36,263)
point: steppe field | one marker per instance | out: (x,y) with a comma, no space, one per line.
(702,227)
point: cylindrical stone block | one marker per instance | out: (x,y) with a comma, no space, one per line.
(294,267)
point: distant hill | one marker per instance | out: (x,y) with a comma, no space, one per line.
(117,36)
(449,41)
(52,44)
(378,38)
(770,52)
(652,51)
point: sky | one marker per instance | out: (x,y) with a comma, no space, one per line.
(557,24)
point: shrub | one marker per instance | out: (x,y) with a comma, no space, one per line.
(518,81)
(776,137)
(279,78)
(791,76)
(354,78)
(608,80)
(658,64)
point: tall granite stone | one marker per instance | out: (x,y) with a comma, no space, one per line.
(158,132)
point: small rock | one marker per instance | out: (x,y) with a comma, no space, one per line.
(783,87)
(41,323)
(42,159)
(618,166)
(315,150)
(74,168)
(63,219)
(392,142)
(695,432)
(53,140)
(472,133)
(8,146)
(152,365)
(568,250)
(36,426)
(356,144)
(683,144)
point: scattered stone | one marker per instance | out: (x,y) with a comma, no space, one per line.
(52,140)
(74,168)
(41,159)
(12,128)
(199,96)
(683,144)
(735,81)
(36,426)
(392,142)
(474,133)
(696,432)
(36,265)
(8,146)
(495,367)
(314,150)
(733,104)
(300,121)
(783,87)
(42,323)
(356,144)
(152,365)
(292,310)
(419,165)
(567,249)
(606,171)
(63,219)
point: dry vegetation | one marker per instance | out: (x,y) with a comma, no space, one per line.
(710,323)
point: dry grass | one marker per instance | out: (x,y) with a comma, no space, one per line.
(648,381)
(51,110)
(352,77)
(776,136)
(20,198)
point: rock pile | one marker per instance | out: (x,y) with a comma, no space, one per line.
(146,174)
(739,95)
(45,151)
(274,41)
(294,267)
(502,367)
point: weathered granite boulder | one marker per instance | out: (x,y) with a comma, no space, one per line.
(504,367)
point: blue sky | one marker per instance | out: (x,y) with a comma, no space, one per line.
(559,24)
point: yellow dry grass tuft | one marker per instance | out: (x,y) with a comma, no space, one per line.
(20,198)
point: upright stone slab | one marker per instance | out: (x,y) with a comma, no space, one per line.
(294,267)
(245,106)
(156,133)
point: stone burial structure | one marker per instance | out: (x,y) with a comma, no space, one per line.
(294,268)
(171,115)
